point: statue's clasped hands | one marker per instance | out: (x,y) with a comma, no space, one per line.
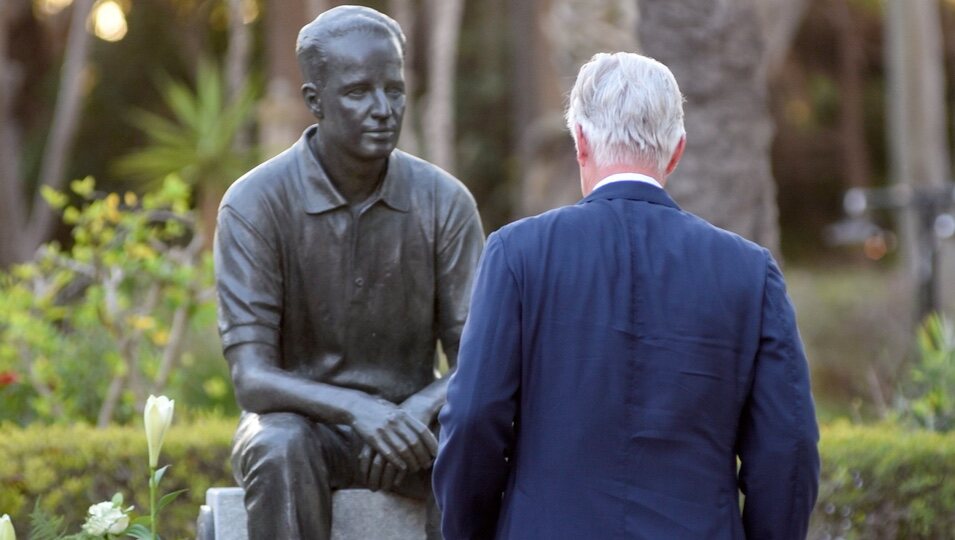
(398,443)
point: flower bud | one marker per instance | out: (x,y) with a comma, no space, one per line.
(6,528)
(157,417)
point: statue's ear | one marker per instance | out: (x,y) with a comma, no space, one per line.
(312,99)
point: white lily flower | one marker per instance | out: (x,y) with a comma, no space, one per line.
(105,518)
(6,528)
(157,417)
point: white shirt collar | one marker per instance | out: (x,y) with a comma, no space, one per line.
(627,177)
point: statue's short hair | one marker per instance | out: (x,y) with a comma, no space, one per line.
(313,38)
(627,106)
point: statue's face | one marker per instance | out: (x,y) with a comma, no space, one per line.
(363,96)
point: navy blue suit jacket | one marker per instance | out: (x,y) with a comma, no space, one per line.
(619,355)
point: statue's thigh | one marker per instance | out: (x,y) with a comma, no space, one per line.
(289,443)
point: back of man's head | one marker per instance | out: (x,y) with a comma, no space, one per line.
(629,108)
(313,38)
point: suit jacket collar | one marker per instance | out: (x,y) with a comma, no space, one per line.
(635,191)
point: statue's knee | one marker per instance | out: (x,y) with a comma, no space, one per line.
(279,440)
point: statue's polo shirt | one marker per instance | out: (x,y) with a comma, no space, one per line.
(351,297)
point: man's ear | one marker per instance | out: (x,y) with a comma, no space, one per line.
(583,146)
(312,99)
(677,154)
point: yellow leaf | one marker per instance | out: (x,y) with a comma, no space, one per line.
(83,187)
(53,197)
(112,208)
(160,338)
(142,322)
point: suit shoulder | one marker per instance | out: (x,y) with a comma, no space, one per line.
(569,216)
(728,237)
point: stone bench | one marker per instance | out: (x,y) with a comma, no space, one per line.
(357,514)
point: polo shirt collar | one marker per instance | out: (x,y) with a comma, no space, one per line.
(320,194)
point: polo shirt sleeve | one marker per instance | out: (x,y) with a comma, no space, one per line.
(249,282)
(459,245)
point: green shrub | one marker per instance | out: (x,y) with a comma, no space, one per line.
(70,468)
(89,331)
(929,400)
(878,481)
(885,481)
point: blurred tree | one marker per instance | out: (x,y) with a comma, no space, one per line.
(439,118)
(25,225)
(282,115)
(721,55)
(198,144)
(97,327)
(856,168)
(917,130)
(550,39)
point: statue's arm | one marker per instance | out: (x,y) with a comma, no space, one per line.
(460,242)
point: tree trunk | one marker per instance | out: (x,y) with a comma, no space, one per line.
(852,105)
(11,186)
(282,113)
(442,66)
(66,117)
(551,41)
(237,54)
(717,51)
(779,20)
(917,119)
(403,12)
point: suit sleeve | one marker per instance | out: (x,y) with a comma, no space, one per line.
(778,436)
(477,423)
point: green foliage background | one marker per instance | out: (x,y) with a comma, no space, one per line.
(70,468)
(878,481)
(79,323)
(884,482)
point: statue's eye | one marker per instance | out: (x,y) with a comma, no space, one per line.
(356,92)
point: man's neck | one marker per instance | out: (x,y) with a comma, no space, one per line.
(355,179)
(596,174)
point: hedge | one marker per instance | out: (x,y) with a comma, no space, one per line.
(878,481)
(884,481)
(72,467)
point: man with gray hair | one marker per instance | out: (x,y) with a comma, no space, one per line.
(621,355)
(340,264)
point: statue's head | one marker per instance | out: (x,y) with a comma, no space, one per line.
(352,59)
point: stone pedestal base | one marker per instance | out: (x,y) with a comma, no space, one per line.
(357,514)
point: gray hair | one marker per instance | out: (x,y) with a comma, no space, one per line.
(336,22)
(628,106)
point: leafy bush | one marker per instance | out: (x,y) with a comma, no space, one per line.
(86,331)
(71,467)
(878,481)
(885,481)
(929,401)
